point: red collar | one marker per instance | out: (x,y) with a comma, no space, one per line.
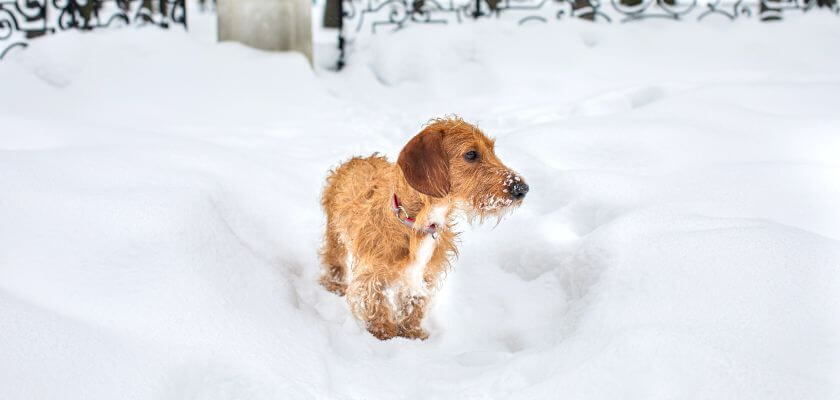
(408,221)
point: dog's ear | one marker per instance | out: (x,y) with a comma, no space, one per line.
(424,164)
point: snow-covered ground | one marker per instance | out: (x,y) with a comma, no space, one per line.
(159,219)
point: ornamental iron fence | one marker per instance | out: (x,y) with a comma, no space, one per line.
(360,15)
(21,20)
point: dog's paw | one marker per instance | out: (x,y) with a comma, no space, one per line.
(413,311)
(414,333)
(383,331)
(338,288)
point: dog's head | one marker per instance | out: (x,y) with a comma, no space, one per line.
(451,157)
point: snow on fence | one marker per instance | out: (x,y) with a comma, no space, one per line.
(359,16)
(21,20)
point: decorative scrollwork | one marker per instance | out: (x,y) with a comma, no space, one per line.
(715,7)
(641,9)
(8,24)
(400,13)
(21,20)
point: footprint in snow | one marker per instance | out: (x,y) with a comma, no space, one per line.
(618,101)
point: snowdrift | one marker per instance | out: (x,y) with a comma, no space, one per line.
(159,219)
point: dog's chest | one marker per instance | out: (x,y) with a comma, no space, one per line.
(414,274)
(412,281)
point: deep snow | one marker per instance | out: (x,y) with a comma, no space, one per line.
(159,216)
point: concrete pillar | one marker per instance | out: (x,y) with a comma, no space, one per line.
(276,25)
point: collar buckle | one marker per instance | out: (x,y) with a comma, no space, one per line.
(399,211)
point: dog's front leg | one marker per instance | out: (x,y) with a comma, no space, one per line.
(369,303)
(415,309)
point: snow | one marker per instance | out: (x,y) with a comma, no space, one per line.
(159,214)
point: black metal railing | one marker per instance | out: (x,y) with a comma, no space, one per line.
(206,5)
(360,15)
(21,20)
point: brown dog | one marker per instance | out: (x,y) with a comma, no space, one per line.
(389,232)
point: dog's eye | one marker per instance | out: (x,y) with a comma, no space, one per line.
(471,155)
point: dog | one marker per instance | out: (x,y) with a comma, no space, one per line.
(389,238)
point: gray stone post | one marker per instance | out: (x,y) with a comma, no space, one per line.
(276,25)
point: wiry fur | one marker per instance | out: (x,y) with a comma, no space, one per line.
(374,259)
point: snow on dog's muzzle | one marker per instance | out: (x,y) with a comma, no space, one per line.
(515,186)
(518,190)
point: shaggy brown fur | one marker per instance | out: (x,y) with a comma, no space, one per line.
(387,270)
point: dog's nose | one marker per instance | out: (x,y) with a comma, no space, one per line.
(518,190)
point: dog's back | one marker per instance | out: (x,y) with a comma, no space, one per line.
(356,180)
(349,201)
